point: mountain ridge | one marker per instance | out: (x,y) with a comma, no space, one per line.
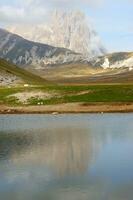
(21,51)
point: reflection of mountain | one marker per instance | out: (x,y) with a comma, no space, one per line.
(66,152)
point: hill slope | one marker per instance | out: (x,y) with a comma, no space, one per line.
(11,74)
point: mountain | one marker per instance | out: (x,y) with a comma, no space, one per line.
(10,74)
(120,60)
(24,52)
(70,30)
(66,64)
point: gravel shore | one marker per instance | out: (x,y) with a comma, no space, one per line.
(69,108)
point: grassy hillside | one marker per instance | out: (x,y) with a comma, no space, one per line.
(26,76)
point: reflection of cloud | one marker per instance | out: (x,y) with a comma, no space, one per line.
(93,191)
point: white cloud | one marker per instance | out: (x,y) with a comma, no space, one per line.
(13,15)
(36,11)
(7,13)
(62,3)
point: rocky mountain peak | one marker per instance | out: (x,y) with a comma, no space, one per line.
(70,30)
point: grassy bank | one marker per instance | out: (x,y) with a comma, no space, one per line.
(69,94)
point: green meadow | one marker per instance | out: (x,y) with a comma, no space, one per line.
(68,94)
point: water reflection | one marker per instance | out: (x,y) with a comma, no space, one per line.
(66,157)
(67,152)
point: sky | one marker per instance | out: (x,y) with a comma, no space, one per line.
(112,19)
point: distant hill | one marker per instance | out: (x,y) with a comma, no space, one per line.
(117,60)
(111,68)
(11,74)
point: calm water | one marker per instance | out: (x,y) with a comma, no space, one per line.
(66,157)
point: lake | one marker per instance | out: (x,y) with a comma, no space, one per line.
(66,157)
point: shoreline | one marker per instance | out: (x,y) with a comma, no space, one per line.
(70,108)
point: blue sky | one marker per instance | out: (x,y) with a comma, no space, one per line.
(112,19)
(114,22)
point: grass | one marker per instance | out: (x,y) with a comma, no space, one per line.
(67,94)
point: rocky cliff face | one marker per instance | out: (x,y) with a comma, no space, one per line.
(69,30)
(24,52)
